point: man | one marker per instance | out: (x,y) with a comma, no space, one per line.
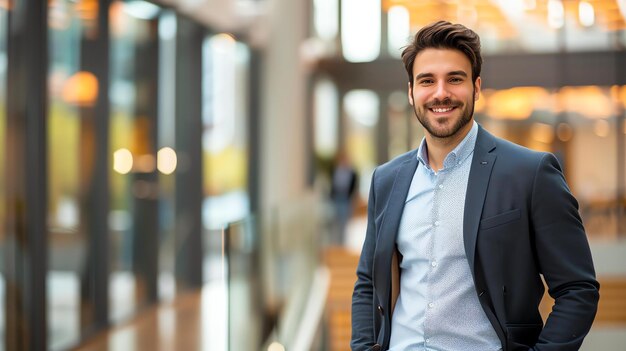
(461,230)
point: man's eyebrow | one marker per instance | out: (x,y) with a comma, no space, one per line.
(423,75)
(457,73)
(430,75)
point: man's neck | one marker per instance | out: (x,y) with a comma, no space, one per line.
(439,148)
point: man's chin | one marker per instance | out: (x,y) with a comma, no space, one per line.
(441,130)
(446,131)
(441,134)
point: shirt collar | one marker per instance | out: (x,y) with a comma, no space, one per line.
(457,155)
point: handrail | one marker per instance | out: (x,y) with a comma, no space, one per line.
(314,311)
(274,277)
(308,323)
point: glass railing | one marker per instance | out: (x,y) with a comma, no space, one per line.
(245,304)
(271,262)
(292,244)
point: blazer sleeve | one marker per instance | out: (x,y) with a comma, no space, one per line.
(363,336)
(564,258)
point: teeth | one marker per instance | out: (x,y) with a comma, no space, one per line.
(440,110)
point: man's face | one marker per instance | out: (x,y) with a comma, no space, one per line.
(442,93)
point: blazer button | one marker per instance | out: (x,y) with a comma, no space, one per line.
(380,310)
(376,347)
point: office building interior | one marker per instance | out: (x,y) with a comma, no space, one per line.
(166,165)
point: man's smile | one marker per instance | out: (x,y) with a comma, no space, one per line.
(442,109)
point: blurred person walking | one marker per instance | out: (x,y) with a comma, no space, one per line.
(461,230)
(343,186)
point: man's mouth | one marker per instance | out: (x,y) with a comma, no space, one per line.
(442,109)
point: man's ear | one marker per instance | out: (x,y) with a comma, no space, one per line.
(410,93)
(477,88)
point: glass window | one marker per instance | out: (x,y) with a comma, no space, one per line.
(591,155)
(225,77)
(132,145)
(326,18)
(224,143)
(167,158)
(360,29)
(326,118)
(123,99)
(578,125)
(70,90)
(399,29)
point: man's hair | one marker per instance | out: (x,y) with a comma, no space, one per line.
(444,35)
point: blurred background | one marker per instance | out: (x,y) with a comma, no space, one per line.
(193,174)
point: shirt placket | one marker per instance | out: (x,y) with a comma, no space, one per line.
(437,180)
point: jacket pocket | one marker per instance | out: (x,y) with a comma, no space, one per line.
(522,336)
(500,219)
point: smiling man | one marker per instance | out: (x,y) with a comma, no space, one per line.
(461,231)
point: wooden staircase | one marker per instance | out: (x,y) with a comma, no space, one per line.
(342,264)
(612,305)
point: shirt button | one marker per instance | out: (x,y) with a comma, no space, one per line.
(431,305)
(433,263)
(427,340)
(440,186)
(436,223)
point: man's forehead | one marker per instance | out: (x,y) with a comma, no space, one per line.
(441,61)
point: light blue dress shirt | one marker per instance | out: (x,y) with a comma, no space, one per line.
(438,308)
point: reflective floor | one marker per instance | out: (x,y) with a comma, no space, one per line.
(194,321)
(197,321)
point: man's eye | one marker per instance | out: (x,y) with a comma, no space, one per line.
(426,81)
(456,80)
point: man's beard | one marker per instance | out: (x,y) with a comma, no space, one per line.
(466,117)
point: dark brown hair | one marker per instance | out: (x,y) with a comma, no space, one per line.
(444,35)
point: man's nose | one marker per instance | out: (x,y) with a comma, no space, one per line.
(441,91)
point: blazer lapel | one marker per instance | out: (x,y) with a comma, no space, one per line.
(478,182)
(388,232)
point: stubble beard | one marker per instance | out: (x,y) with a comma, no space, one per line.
(466,117)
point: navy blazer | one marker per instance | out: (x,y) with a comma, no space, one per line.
(520,223)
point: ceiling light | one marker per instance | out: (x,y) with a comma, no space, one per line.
(556,14)
(586,14)
(141,9)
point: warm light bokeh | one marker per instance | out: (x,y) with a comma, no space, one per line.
(589,101)
(81,89)
(122,161)
(166,160)
(516,103)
